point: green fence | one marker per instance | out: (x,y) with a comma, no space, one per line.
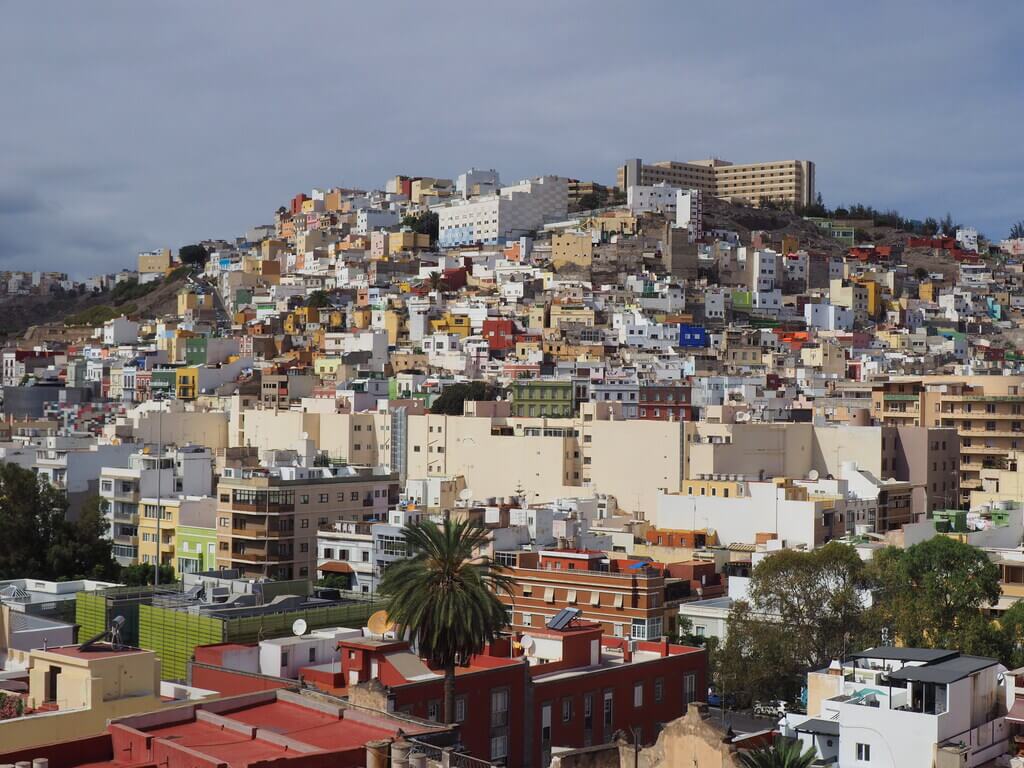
(174,635)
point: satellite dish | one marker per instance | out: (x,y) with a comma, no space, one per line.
(379,624)
(466,494)
(299,627)
(527,642)
(813,474)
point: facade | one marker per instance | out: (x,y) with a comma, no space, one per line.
(512,212)
(540,397)
(905,707)
(785,181)
(267,520)
(627,599)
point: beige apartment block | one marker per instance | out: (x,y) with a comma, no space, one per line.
(547,458)
(267,523)
(987,413)
(785,181)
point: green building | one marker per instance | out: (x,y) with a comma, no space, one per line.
(542,397)
(172,623)
(196,548)
(195,350)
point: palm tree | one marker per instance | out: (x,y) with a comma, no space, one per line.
(436,281)
(446,596)
(1017,230)
(783,753)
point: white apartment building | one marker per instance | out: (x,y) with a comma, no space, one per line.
(967,238)
(690,212)
(514,211)
(72,465)
(477,182)
(892,707)
(828,317)
(362,551)
(120,330)
(369,219)
(185,471)
(652,198)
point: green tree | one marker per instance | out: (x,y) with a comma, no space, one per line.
(1017,230)
(805,609)
(452,399)
(921,273)
(436,281)
(783,753)
(142,574)
(318,300)
(83,549)
(446,596)
(336,581)
(193,254)
(426,223)
(31,519)
(931,594)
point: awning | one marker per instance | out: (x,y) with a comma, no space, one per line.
(335,566)
(1016,713)
(819,727)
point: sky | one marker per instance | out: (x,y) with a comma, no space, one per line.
(126,126)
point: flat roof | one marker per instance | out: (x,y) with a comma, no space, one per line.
(309,725)
(891,653)
(944,672)
(97,651)
(818,726)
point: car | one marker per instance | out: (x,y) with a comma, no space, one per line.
(772,708)
(715,699)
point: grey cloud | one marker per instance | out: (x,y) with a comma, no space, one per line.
(141,125)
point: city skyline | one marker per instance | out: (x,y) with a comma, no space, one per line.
(159,127)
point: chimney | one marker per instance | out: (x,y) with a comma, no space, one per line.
(627,651)
(835,668)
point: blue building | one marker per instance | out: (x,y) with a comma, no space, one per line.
(693,336)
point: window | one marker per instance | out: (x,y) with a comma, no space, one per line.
(312,655)
(618,630)
(324,498)
(304,523)
(284,659)
(566,710)
(366,556)
(689,688)
(527,620)
(864,753)
(304,498)
(607,710)
(499,707)
(638,694)
(304,547)
(659,688)
(499,747)
(353,496)
(433,710)
(460,709)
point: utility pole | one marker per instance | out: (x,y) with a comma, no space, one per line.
(159,472)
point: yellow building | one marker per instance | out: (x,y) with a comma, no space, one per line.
(191,300)
(572,248)
(154,263)
(407,240)
(186,382)
(448,323)
(570,314)
(86,688)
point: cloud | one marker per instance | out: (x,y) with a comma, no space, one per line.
(133,127)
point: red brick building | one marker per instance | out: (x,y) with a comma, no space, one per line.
(665,402)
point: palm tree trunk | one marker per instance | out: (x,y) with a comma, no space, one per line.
(449,694)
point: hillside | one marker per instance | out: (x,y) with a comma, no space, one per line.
(29,316)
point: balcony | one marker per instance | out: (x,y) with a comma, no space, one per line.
(268,507)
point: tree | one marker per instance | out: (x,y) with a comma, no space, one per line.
(1017,230)
(39,542)
(141,574)
(931,594)
(336,581)
(436,281)
(426,223)
(445,596)
(783,753)
(452,399)
(805,609)
(193,254)
(84,550)
(32,520)
(920,273)
(318,300)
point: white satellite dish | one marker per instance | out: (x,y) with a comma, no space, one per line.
(299,627)
(813,474)
(527,642)
(466,494)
